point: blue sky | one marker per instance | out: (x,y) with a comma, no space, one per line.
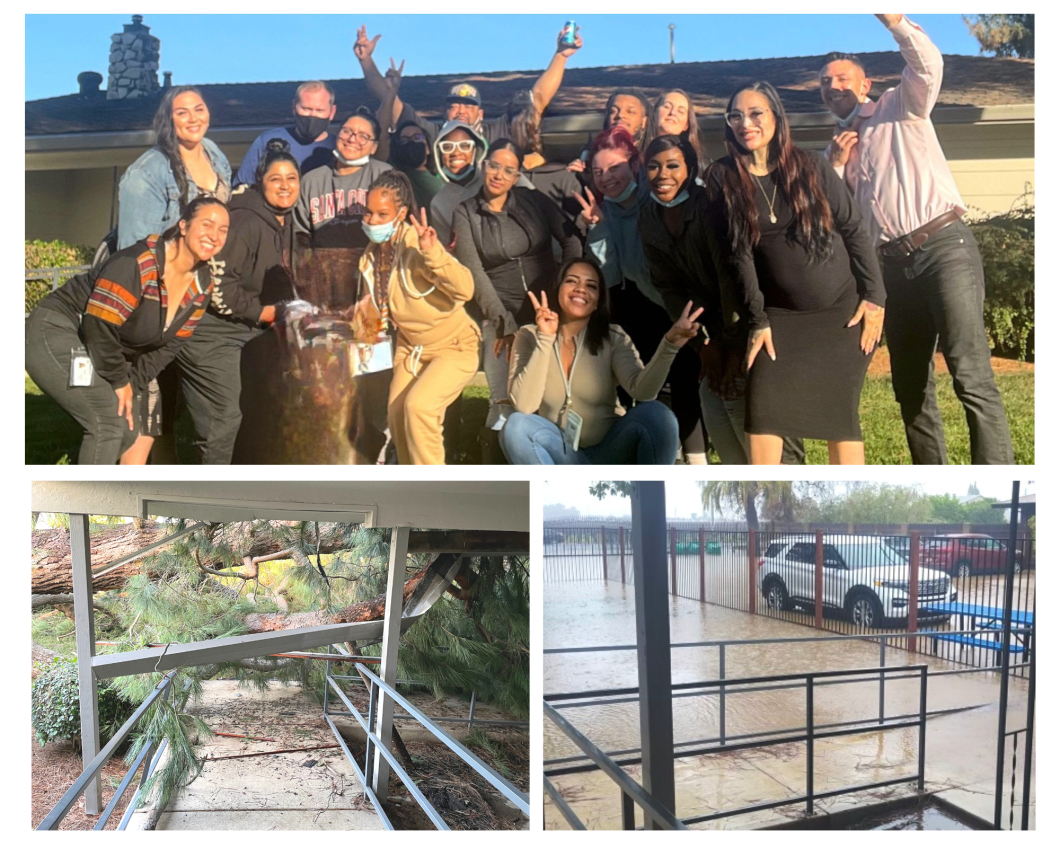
(296,47)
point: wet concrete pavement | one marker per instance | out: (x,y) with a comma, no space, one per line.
(961,751)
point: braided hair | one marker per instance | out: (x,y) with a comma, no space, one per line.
(398,186)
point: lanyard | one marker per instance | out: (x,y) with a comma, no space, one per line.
(567,381)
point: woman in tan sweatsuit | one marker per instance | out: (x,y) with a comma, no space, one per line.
(411,283)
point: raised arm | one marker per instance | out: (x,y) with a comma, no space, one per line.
(549,82)
(922,76)
(376,83)
(643,382)
(443,270)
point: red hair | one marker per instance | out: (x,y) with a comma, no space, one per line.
(616,138)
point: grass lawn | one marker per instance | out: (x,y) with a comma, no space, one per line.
(52,437)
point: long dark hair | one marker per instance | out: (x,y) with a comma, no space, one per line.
(669,142)
(692,133)
(798,180)
(502,144)
(166,137)
(525,122)
(649,127)
(599,327)
(188,214)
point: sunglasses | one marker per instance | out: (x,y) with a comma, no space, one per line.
(452,146)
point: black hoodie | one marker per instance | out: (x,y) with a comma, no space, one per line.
(255,263)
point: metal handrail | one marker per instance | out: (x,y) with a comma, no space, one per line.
(506,788)
(59,811)
(630,788)
(808,735)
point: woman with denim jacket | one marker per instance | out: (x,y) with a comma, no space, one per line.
(182,165)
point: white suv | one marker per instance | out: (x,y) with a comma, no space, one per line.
(863,576)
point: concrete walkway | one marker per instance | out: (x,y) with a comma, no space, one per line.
(307,790)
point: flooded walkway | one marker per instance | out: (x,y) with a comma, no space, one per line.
(961,752)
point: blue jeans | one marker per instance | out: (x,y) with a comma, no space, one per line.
(935,300)
(646,435)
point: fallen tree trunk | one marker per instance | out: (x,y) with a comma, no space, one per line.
(51,567)
(371,610)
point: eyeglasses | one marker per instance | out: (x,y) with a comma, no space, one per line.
(498,168)
(734,119)
(350,135)
(448,147)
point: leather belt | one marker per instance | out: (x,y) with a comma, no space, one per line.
(909,244)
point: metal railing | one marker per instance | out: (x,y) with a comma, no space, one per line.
(54,277)
(632,793)
(374,744)
(793,577)
(724,646)
(92,770)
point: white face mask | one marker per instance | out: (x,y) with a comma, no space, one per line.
(347,163)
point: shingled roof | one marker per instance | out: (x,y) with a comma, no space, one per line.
(969,81)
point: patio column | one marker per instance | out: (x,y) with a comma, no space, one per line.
(384,723)
(85,640)
(653,642)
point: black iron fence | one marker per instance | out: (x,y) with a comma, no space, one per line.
(949,587)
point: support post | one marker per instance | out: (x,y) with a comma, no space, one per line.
(702,565)
(721,693)
(883,679)
(673,561)
(818,582)
(628,820)
(809,744)
(622,552)
(85,638)
(395,583)
(914,589)
(1006,644)
(922,742)
(603,545)
(1028,748)
(752,571)
(653,643)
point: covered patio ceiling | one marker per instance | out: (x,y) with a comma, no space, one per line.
(436,505)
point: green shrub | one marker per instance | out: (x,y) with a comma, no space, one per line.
(51,254)
(56,711)
(1007,245)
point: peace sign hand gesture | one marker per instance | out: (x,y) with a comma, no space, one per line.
(427,234)
(591,211)
(686,327)
(547,320)
(365,46)
(393,76)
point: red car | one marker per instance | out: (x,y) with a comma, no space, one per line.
(963,554)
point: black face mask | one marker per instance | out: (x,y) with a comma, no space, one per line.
(308,127)
(409,155)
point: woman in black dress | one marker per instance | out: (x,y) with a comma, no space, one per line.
(809,277)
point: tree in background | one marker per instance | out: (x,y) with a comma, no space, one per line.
(948,509)
(1003,35)
(777,500)
(872,503)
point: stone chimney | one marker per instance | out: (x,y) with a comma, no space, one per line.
(133,62)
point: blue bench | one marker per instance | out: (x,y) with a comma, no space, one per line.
(977,642)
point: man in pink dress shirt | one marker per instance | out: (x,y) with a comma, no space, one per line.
(890,157)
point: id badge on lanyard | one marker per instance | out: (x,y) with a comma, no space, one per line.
(572,424)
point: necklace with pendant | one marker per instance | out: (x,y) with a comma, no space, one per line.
(772,214)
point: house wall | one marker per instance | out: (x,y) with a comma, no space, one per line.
(71,205)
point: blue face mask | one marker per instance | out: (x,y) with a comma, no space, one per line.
(626,194)
(379,233)
(677,201)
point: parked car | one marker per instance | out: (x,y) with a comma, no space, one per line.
(899,544)
(964,554)
(863,576)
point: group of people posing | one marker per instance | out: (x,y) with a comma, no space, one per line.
(754,286)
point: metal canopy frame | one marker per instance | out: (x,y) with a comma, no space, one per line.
(91,668)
